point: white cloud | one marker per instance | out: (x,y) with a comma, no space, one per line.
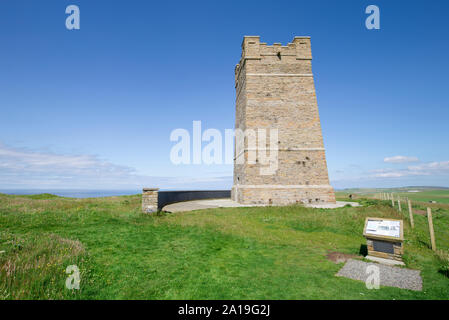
(442,166)
(400,159)
(425,169)
(390,175)
(21,168)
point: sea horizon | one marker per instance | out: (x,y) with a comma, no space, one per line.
(86,193)
(73,193)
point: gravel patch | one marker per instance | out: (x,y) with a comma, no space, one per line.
(389,276)
(227,203)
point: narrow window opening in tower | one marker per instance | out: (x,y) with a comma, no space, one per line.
(279,55)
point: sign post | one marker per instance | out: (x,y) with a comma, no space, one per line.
(410,212)
(384,238)
(432,234)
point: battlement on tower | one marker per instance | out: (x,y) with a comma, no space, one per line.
(297,54)
(299,48)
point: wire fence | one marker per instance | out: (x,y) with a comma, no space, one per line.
(405,207)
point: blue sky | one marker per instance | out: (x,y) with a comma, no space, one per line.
(94,108)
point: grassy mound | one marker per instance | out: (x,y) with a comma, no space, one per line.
(225,253)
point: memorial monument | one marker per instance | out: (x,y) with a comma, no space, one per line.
(275,90)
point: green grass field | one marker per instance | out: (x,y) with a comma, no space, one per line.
(424,194)
(226,253)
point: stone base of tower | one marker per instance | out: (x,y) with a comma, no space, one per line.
(282,194)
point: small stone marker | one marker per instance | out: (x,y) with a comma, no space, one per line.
(384,238)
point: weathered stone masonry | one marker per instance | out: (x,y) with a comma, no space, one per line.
(150,200)
(275,89)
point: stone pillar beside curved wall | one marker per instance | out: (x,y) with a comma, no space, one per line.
(150,200)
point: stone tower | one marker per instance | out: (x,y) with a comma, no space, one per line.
(275,90)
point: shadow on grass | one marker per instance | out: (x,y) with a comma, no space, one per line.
(363,250)
(444,272)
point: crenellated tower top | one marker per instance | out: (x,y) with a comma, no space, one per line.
(297,54)
(299,48)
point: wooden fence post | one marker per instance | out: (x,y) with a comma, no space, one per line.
(410,212)
(399,204)
(392,200)
(432,234)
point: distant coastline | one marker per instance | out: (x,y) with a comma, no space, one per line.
(84,193)
(75,193)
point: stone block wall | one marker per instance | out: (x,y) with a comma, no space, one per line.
(398,249)
(282,194)
(275,90)
(150,200)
